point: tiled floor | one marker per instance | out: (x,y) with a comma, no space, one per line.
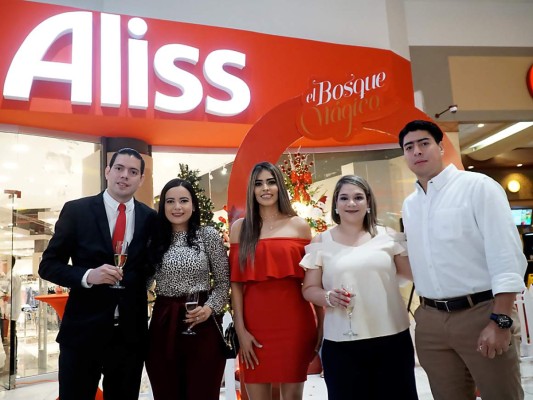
(315,389)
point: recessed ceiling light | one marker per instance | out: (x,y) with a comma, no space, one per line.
(470,167)
(519,165)
(505,133)
(480,125)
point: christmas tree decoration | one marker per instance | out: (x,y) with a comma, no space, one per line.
(224,225)
(298,179)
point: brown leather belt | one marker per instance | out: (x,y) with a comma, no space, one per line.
(457,303)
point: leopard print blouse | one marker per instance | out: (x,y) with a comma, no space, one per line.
(185,270)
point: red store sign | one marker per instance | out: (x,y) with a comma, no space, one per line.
(172,83)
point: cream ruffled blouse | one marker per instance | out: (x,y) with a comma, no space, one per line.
(379,307)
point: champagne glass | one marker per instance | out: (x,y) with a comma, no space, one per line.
(121,255)
(191,303)
(349,308)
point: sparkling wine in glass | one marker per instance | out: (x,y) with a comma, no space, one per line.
(190,304)
(349,309)
(121,255)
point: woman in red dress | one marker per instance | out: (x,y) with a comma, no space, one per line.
(275,325)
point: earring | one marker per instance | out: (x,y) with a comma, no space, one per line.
(336,211)
(368,210)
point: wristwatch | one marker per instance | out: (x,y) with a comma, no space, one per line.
(503,321)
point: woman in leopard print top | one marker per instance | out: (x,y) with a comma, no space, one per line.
(186,366)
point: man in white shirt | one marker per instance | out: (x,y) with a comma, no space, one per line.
(468,266)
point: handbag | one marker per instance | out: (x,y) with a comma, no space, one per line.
(230,341)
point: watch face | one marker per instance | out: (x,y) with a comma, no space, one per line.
(502,320)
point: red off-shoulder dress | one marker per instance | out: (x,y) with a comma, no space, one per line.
(275,312)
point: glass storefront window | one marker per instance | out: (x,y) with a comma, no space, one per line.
(384,169)
(167,165)
(47,172)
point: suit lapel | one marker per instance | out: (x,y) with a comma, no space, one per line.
(101,220)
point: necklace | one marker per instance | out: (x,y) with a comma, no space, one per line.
(271,221)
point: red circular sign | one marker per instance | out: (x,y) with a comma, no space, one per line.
(529,80)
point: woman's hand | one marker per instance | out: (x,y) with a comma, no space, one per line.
(339,298)
(198,315)
(247,342)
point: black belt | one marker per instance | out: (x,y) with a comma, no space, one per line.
(457,303)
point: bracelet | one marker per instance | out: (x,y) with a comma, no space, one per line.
(328,302)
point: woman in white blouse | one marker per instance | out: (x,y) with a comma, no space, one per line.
(368,352)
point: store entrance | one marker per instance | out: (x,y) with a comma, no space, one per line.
(7,199)
(38,175)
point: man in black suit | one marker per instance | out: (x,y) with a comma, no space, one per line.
(103,330)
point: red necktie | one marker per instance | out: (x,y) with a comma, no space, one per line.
(120,226)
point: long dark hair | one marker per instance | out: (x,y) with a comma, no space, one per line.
(164,231)
(252,224)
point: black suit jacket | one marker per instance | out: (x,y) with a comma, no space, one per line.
(82,235)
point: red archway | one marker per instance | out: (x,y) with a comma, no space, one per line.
(277,130)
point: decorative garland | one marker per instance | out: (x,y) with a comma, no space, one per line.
(298,179)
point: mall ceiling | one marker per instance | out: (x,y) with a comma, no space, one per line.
(432,83)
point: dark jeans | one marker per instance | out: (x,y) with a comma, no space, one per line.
(370,369)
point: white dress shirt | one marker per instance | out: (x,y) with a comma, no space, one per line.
(111,210)
(461,237)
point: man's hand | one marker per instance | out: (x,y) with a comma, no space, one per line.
(104,275)
(493,340)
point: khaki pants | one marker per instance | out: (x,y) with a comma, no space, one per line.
(446,345)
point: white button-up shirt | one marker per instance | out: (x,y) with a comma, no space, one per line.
(111,209)
(461,237)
